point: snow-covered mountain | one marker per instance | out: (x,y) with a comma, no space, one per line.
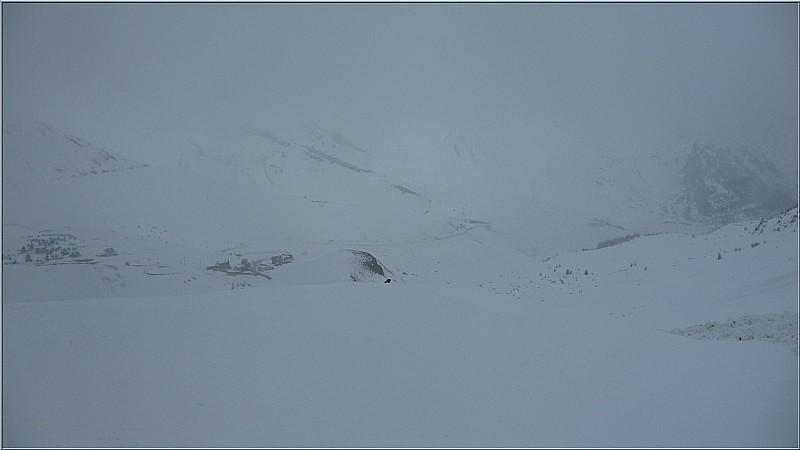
(542,201)
(320,166)
(284,288)
(725,184)
(34,151)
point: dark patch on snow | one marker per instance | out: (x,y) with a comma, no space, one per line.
(369,262)
(618,240)
(322,156)
(221,267)
(785,220)
(108,252)
(257,267)
(780,328)
(405,190)
(283,258)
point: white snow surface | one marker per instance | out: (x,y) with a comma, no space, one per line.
(473,349)
(472,344)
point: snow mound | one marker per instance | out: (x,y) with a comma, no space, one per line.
(338,266)
(781,328)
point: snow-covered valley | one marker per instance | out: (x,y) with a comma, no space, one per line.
(213,303)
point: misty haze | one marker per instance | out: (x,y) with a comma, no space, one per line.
(400,225)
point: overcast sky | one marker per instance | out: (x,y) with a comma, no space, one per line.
(534,76)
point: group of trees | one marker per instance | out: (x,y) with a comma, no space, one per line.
(618,240)
(51,247)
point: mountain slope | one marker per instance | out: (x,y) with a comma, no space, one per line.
(478,346)
(34,151)
(542,201)
(216,304)
(725,184)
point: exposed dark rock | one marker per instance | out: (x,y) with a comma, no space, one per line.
(369,262)
(725,184)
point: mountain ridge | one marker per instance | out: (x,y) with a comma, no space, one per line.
(462,179)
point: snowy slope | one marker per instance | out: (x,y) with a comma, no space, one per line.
(320,166)
(529,197)
(166,223)
(473,348)
(542,200)
(34,151)
(138,339)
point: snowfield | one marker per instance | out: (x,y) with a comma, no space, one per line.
(471,348)
(160,307)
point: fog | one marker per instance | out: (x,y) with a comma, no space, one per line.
(546,87)
(363,225)
(542,76)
